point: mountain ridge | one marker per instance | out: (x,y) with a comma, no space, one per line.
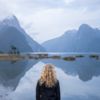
(11,25)
(85,39)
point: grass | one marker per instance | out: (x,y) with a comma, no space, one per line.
(94,56)
(79,56)
(70,58)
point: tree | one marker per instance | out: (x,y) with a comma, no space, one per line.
(14,50)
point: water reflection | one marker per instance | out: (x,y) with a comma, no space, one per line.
(83,66)
(72,88)
(11,73)
(78,69)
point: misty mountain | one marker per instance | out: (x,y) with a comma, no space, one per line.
(85,39)
(11,34)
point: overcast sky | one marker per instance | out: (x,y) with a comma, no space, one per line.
(47,19)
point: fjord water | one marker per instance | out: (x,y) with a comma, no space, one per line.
(79,78)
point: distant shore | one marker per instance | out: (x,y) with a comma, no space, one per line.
(47,55)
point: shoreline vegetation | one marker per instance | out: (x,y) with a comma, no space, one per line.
(45,55)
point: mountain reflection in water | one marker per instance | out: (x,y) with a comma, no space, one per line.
(85,67)
(81,73)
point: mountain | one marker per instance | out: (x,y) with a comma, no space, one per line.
(11,34)
(12,37)
(85,39)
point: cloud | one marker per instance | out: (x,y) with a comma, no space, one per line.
(90,4)
(47,19)
(3,10)
(52,23)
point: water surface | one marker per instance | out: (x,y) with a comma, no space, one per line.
(79,78)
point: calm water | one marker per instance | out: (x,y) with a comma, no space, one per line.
(79,77)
